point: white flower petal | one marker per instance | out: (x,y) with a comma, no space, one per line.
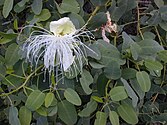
(62,27)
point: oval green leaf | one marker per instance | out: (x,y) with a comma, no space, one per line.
(67,112)
(25,116)
(68,6)
(72,96)
(143,80)
(52,110)
(114,118)
(43,16)
(42,111)
(159,3)
(8,5)
(49,99)
(90,107)
(130,92)
(13,116)
(128,114)
(101,118)
(162,55)
(37,6)
(153,65)
(11,55)
(85,80)
(97,99)
(118,93)
(35,100)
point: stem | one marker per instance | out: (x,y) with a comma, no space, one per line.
(22,65)
(115,40)
(138,23)
(106,88)
(159,37)
(7,80)
(10,100)
(93,13)
(17,76)
(28,88)
(129,23)
(136,64)
(6,94)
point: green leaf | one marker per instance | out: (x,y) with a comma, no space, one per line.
(109,53)
(128,73)
(2,69)
(52,110)
(43,16)
(159,3)
(95,54)
(2,2)
(97,99)
(149,35)
(72,96)
(101,87)
(7,7)
(67,112)
(15,24)
(117,9)
(101,118)
(42,111)
(131,4)
(114,118)
(135,50)
(163,12)
(13,116)
(130,92)
(96,65)
(41,120)
(128,114)
(25,116)
(162,55)
(11,55)
(90,108)
(118,93)
(35,100)
(135,85)
(18,9)
(143,80)
(112,71)
(37,6)
(163,25)
(98,2)
(97,20)
(5,40)
(127,41)
(77,20)
(7,37)
(150,47)
(85,80)
(155,19)
(68,6)
(48,99)
(22,3)
(153,65)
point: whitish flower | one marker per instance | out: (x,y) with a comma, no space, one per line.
(60,48)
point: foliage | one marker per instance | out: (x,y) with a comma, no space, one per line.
(125,82)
